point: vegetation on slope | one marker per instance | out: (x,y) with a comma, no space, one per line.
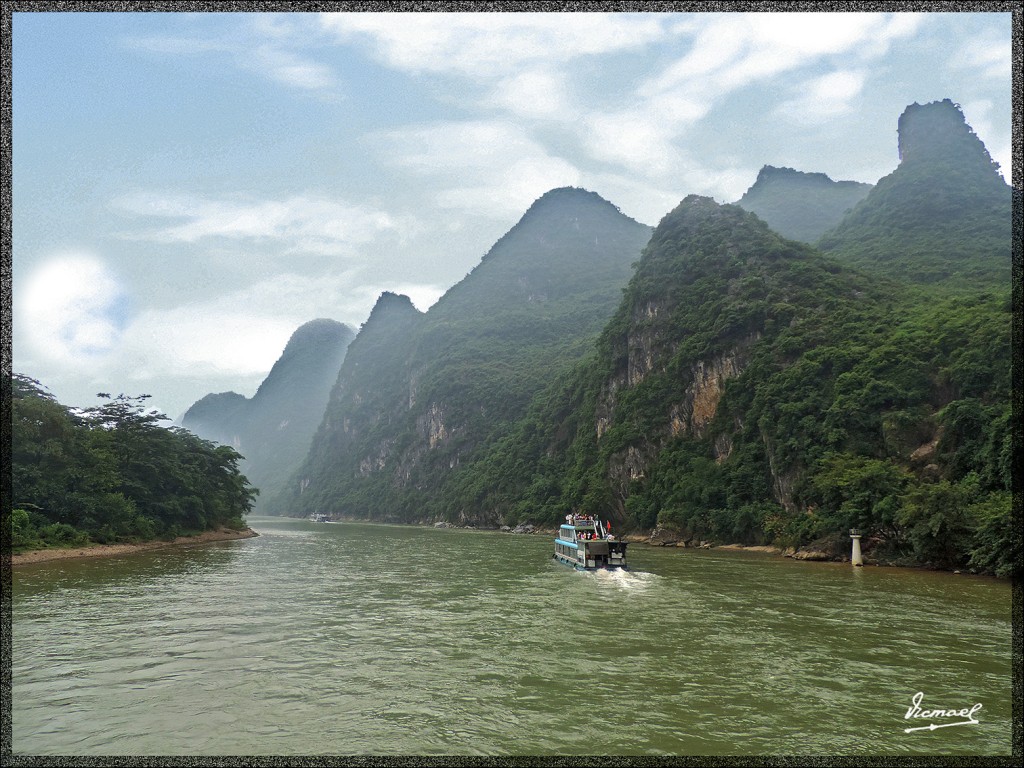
(942,217)
(747,389)
(801,206)
(848,402)
(407,413)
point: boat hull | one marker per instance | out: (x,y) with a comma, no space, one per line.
(577,566)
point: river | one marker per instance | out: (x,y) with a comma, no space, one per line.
(348,638)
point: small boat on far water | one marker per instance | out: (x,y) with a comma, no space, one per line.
(587,544)
(318,517)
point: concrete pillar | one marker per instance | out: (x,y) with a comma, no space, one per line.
(855,556)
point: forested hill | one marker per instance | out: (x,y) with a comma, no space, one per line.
(360,407)
(112,473)
(405,414)
(751,390)
(801,206)
(743,388)
(943,216)
(274,428)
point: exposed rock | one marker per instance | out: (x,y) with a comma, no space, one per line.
(701,399)
(663,537)
(431,426)
(810,554)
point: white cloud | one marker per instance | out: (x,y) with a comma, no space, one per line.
(236,337)
(823,98)
(241,333)
(729,52)
(488,45)
(289,69)
(71,309)
(987,55)
(736,50)
(490,168)
(299,224)
(231,342)
(536,93)
(642,138)
(266,44)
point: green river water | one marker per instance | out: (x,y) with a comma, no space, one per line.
(348,638)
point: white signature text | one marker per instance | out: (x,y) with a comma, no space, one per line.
(916,711)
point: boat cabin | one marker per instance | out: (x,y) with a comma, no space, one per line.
(586,543)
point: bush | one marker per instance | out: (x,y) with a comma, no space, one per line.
(23,533)
(997,547)
(62,535)
(937,520)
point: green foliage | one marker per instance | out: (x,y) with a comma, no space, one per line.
(854,402)
(423,398)
(997,546)
(854,491)
(112,473)
(938,521)
(747,389)
(24,535)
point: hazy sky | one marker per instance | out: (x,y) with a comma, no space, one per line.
(190,188)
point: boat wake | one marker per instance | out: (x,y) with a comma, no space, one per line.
(617,577)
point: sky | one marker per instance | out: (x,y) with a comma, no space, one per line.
(188,189)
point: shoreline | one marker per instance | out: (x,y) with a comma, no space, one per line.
(653,540)
(109,550)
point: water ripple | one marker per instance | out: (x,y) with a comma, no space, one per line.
(356,639)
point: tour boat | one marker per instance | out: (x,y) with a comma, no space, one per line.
(586,544)
(318,517)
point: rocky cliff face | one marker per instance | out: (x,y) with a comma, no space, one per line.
(273,430)
(700,400)
(671,393)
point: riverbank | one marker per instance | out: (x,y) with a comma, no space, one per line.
(661,538)
(107,550)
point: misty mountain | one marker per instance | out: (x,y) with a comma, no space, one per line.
(944,214)
(801,206)
(273,429)
(749,389)
(419,395)
(742,386)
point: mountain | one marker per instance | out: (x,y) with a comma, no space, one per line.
(943,216)
(273,429)
(801,206)
(421,395)
(749,389)
(741,386)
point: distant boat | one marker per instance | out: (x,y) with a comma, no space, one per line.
(586,544)
(316,517)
